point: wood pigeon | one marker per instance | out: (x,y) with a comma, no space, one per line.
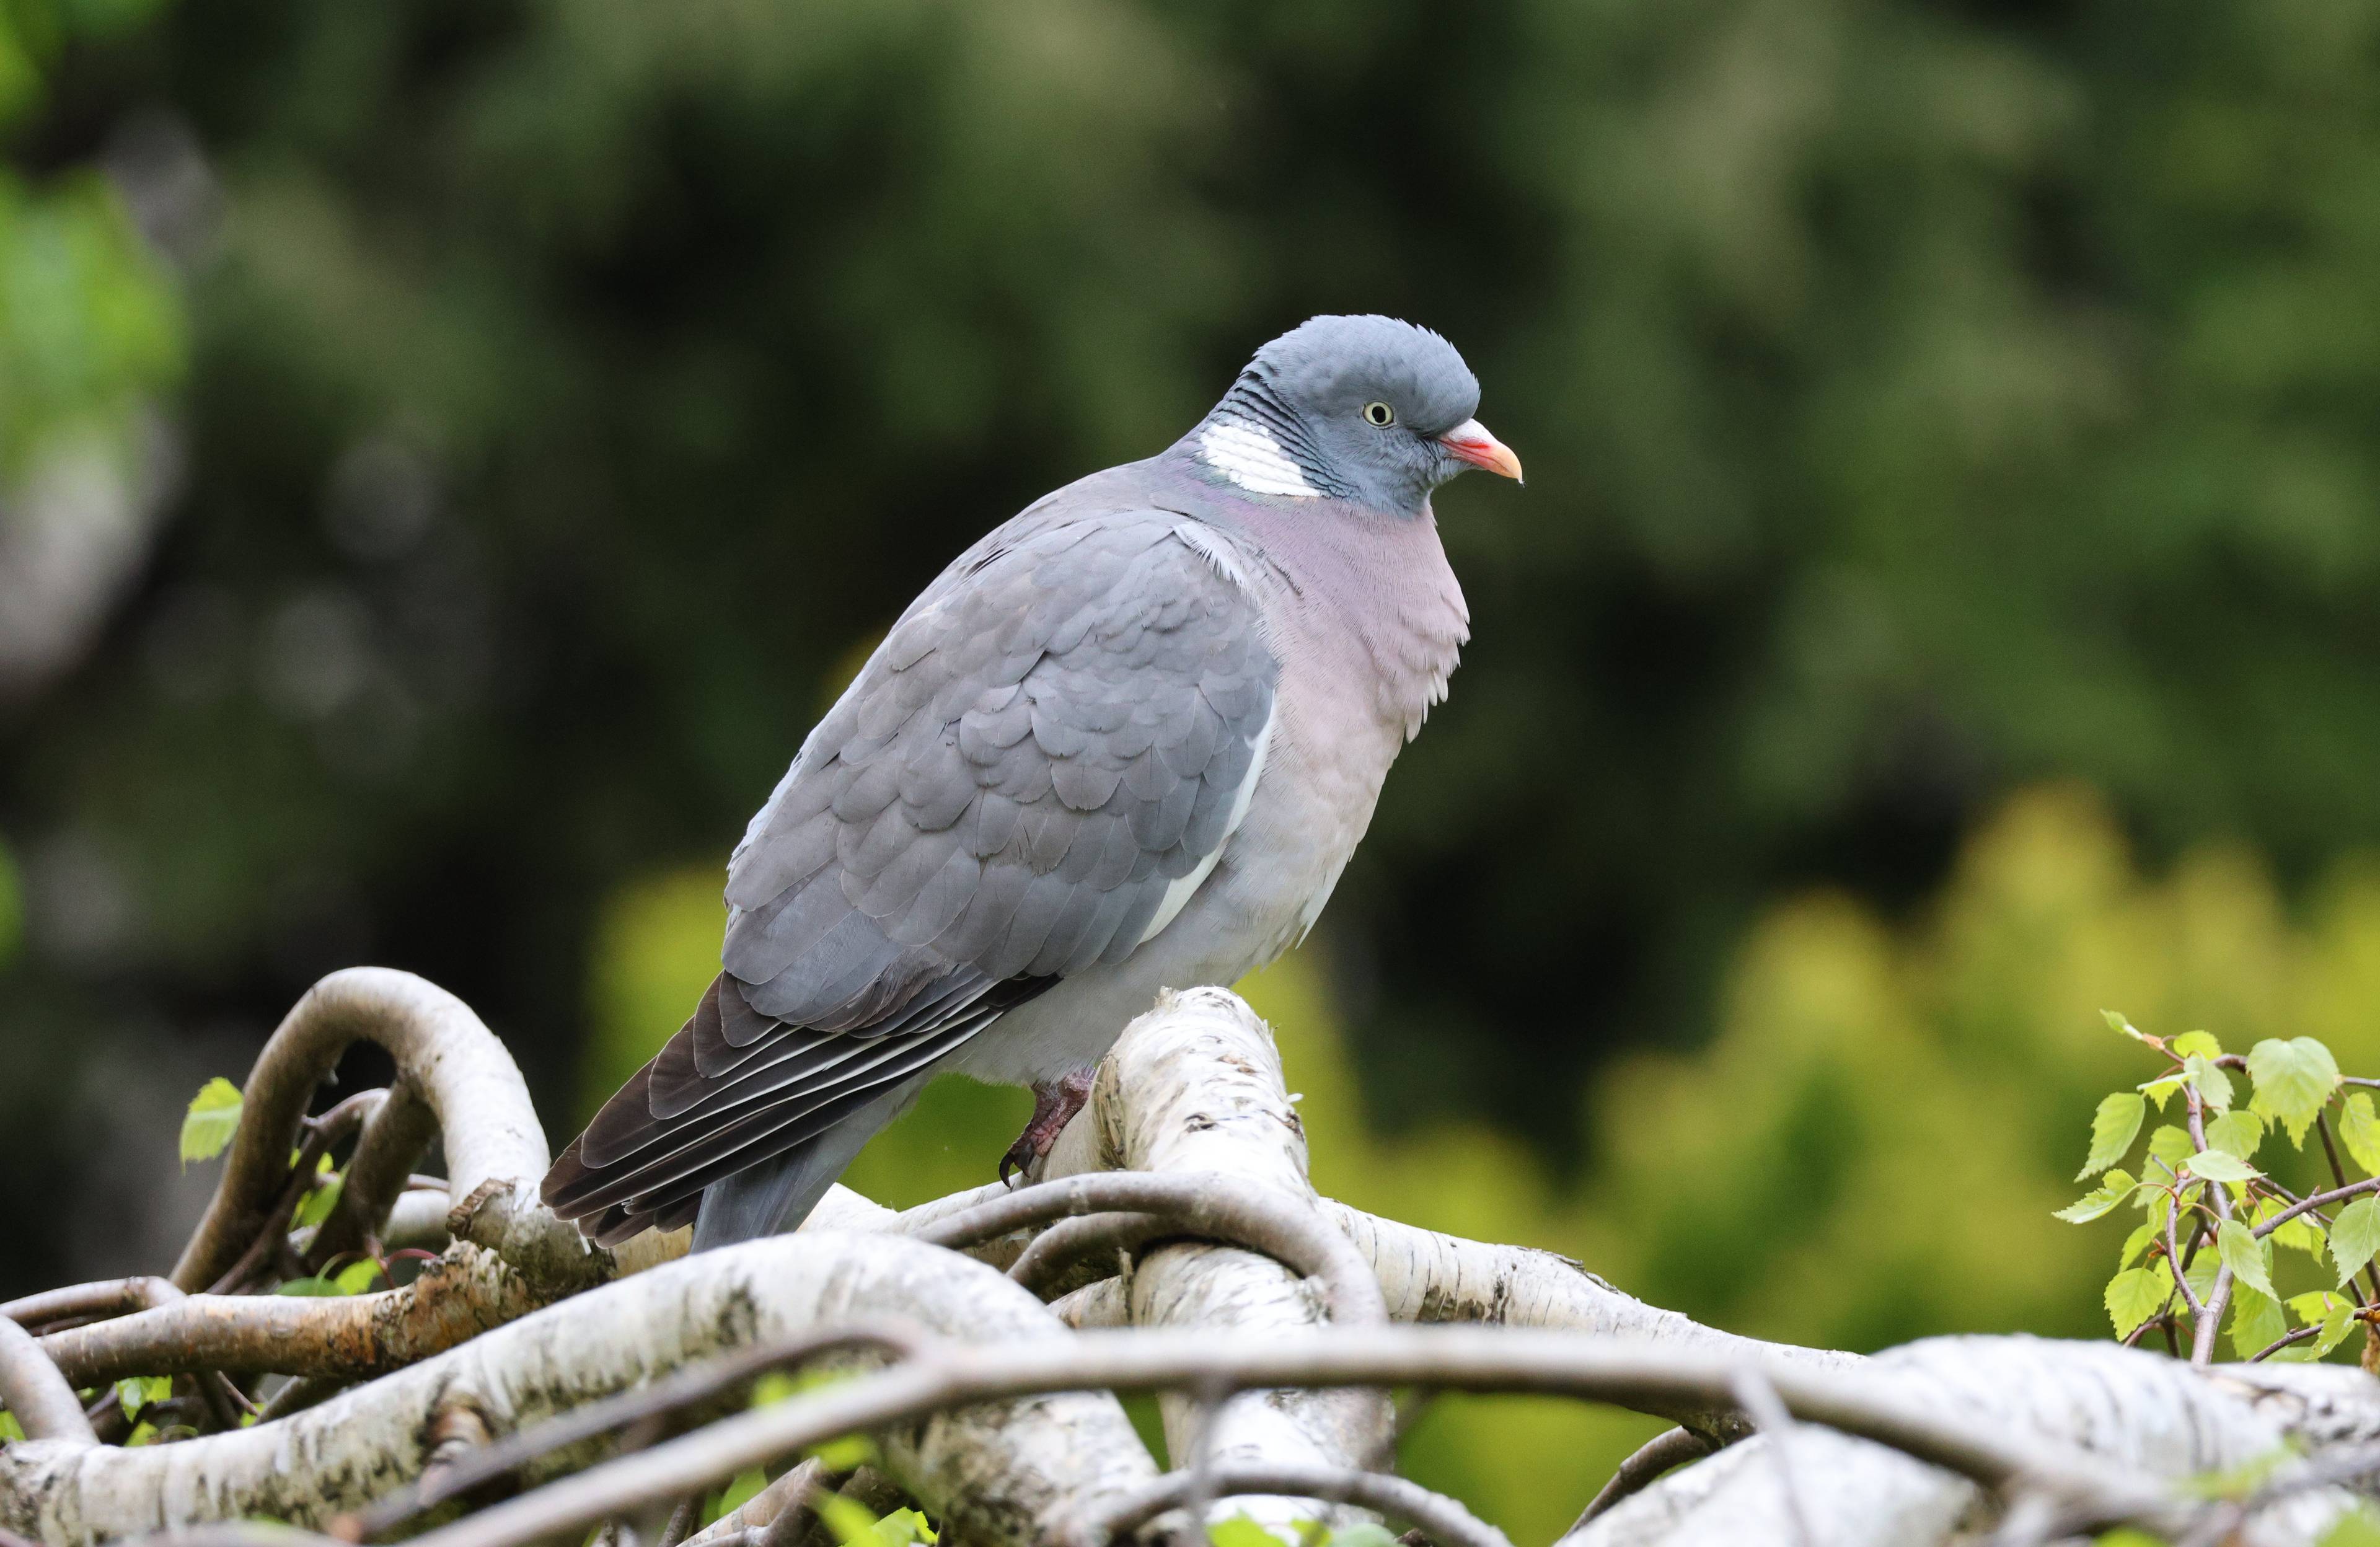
(1126,742)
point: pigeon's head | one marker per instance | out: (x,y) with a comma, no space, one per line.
(1363,409)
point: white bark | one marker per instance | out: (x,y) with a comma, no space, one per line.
(1194,1089)
(1195,1086)
(2126,1407)
(994,1469)
(448,1062)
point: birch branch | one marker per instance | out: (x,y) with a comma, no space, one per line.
(1442,1519)
(32,1387)
(994,1470)
(1881,1405)
(1194,1087)
(2140,1416)
(457,1297)
(448,1060)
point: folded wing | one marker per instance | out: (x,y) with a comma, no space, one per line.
(1028,777)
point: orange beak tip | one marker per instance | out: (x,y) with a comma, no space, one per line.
(1471,441)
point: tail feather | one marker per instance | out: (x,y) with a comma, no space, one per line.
(778,1193)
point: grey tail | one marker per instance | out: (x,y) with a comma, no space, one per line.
(778,1193)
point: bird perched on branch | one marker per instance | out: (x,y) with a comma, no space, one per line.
(1126,742)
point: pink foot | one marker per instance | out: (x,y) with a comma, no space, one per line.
(1055,1101)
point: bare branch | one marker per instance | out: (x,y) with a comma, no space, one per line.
(1444,1520)
(30,1388)
(1204,1204)
(443,1053)
(1865,1403)
(459,1296)
(993,1469)
(1664,1452)
(89,1302)
(680,1389)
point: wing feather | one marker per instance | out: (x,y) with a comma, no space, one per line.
(1049,746)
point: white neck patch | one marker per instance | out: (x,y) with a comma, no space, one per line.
(1249,457)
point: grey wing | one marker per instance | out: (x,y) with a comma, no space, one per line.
(1029,776)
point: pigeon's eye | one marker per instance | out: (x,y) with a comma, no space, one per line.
(1378,413)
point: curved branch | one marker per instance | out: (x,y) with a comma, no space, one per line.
(461,1296)
(1907,1416)
(993,1469)
(1213,1206)
(90,1302)
(1664,1453)
(680,1389)
(32,1387)
(394,1138)
(1444,1520)
(495,1150)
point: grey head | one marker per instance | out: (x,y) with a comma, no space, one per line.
(1367,409)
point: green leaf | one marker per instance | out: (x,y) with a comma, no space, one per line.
(2236,1133)
(2138,1241)
(1240,1531)
(2355,1236)
(2293,1080)
(2114,1190)
(2214,1085)
(2134,1295)
(213,1117)
(308,1286)
(2360,1129)
(846,1455)
(2121,1027)
(2158,1090)
(357,1278)
(741,1489)
(10,1430)
(2195,1044)
(2336,1324)
(2171,1145)
(1363,1535)
(2248,1260)
(2200,1275)
(137,1392)
(904,1527)
(2113,1128)
(2217,1166)
(2256,1321)
(318,1205)
(2301,1234)
(2315,1303)
(853,1523)
(142,1432)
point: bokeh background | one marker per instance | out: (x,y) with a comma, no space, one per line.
(451,449)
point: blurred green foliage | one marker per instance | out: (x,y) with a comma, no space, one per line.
(1919,400)
(90,326)
(1871,1151)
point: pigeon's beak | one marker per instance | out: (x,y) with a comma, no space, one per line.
(1470,442)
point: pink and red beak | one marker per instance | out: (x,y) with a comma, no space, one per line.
(1470,442)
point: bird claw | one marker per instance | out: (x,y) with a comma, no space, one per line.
(1055,1101)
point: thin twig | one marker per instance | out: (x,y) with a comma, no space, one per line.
(1443,1519)
(2338,1175)
(2204,1329)
(1662,1454)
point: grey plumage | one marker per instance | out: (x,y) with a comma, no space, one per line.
(1125,741)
